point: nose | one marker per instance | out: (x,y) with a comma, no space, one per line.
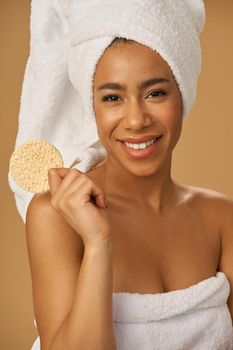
(136,117)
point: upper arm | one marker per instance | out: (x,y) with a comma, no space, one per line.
(226,260)
(55,254)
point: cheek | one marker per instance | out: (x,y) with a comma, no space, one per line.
(171,114)
(104,124)
(98,119)
(171,118)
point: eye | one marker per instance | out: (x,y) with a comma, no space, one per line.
(110,98)
(158,93)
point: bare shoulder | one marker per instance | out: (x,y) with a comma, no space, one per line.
(39,205)
(55,254)
(213,207)
(218,207)
(41,215)
(216,203)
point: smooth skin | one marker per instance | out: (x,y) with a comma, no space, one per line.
(163,235)
(151,213)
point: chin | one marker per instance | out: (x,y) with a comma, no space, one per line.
(143,170)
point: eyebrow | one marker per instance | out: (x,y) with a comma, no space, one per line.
(142,85)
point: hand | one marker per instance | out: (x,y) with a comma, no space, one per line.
(81,203)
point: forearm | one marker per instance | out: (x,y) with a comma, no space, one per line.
(89,323)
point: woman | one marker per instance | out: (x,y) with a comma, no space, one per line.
(125,233)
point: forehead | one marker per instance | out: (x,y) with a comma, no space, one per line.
(129,59)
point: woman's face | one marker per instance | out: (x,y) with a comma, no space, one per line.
(130,107)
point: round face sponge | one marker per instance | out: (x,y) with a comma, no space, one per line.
(30,163)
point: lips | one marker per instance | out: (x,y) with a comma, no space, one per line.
(141,153)
(140,139)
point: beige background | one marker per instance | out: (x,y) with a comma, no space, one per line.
(203,156)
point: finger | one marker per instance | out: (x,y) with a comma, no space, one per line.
(86,191)
(54,179)
(55,176)
(62,172)
(89,190)
(100,200)
(66,182)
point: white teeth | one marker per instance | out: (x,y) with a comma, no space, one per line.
(139,145)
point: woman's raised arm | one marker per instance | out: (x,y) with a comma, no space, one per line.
(72,284)
(224,213)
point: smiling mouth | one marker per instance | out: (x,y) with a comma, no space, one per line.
(143,144)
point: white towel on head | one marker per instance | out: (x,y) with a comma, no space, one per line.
(68,38)
(50,107)
(169,27)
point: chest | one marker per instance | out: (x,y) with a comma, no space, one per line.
(153,255)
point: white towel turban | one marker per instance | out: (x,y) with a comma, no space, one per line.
(68,38)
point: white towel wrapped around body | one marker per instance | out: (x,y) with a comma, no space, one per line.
(194,318)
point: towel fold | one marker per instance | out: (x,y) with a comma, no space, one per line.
(195,318)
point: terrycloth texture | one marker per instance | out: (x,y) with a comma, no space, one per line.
(170,27)
(68,38)
(194,318)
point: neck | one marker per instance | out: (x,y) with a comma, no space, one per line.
(155,190)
